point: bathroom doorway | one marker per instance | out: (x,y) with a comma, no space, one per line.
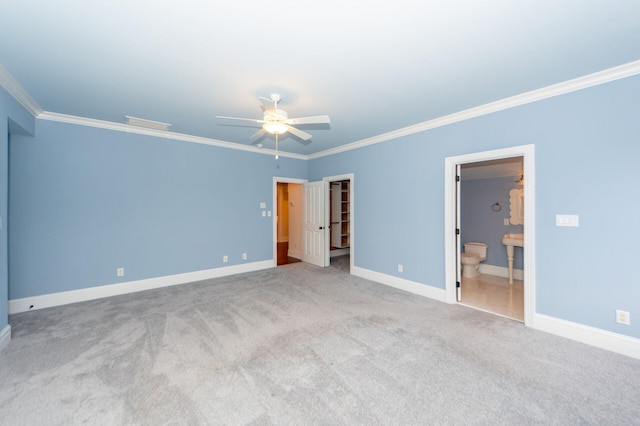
(491,216)
(486,214)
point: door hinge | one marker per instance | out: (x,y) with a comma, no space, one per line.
(457,178)
(457,231)
(457,284)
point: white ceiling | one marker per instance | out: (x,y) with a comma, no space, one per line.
(374,67)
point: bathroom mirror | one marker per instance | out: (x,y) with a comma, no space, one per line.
(516,206)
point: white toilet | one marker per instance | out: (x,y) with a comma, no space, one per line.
(473,254)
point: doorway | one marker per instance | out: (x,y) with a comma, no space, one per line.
(487,213)
(297,217)
(340,211)
(288,223)
(452,219)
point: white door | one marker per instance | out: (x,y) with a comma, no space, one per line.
(315,226)
(458,246)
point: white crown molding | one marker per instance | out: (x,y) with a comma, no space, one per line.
(122,127)
(18,93)
(616,73)
(601,77)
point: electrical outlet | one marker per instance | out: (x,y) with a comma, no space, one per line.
(400,268)
(244,256)
(225,258)
(623,317)
(120,272)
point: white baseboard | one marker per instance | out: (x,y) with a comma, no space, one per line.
(295,253)
(599,338)
(402,284)
(614,342)
(5,337)
(339,252)
(84,294)
(500,271)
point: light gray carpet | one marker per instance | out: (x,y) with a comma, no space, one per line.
(301,345)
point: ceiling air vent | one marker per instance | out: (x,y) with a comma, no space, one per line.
(141,122)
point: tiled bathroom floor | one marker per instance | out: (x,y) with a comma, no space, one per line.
(494,294)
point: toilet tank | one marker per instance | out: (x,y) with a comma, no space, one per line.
(476,248)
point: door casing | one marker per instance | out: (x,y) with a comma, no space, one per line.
(450,213)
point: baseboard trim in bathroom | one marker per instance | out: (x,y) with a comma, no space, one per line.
(500,271)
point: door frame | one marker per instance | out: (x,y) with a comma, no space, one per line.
(451,249)
(274,204)
(350,178)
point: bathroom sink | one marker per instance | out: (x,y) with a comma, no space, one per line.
(513,240)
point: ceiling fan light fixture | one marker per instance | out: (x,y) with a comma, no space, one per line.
(275,128)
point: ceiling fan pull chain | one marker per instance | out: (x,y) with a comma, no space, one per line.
(276,146)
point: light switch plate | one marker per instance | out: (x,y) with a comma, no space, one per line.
(263,205)
(567,220)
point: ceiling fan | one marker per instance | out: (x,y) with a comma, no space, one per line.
(276,121)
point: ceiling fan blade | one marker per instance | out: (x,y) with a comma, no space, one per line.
(299,133)
(239,119)
(267,104)
(318,119)
(257,134)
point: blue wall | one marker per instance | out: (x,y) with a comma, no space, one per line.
(478,222)
(586,158)
(86,201)
(14,119)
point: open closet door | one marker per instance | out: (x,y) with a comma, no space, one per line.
(315,226)
(458,245)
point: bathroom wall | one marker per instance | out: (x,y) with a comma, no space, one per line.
(478,222)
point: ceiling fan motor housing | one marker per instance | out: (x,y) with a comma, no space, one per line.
(275,115)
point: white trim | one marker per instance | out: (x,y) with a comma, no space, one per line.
(590,80)
(91,293)
(122,127)
(614,342)
(500,271)
(400,283)
(601,77)
(352,217)
(340,252)
(5,337)
(528,153)
(18,93)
